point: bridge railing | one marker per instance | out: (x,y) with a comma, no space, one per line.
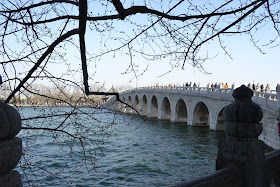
(266,97)
(232,176)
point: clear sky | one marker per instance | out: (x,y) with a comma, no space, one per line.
(247,65)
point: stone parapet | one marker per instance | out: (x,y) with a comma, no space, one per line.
(10,146)
(10,154)
(11,179)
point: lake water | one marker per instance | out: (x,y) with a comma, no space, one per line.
(122,150)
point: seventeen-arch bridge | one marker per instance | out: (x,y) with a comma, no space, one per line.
(197,106)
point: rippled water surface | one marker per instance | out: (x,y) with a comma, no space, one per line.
(133,153)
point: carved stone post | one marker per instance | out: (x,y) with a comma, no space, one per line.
(278,96)
(208,88)
(267,89)
(233,86)
(10,146)
(241,146)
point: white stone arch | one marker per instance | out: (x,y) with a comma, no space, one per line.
(144,105)
(175,106)
(153,112)
(207,104)
(136,102)
(123,106)
(215,118)
(130,103)
(162,111)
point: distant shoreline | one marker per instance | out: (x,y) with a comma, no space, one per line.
(38,105)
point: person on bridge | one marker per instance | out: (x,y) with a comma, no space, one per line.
(254,87)
(226,86)
(261,87)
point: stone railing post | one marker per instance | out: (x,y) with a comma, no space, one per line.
(267,89)
(208,88)
(250,86)
(232,87)
(241,146)
(278,97)
(10,146)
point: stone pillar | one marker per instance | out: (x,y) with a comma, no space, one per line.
(278,96)
(172,117)
(267,89)
(208,88)
(233,86)
(250,86)
(10,146)
(241,146)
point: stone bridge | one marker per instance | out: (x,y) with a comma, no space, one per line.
(197,106)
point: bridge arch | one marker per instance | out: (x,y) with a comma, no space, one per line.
(165,109)
(214,102)
(144,106)
(154,107)
(219,118)
(136,103)
(201,114)
(181,110)
(129,101)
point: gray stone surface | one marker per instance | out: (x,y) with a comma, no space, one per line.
(11,179)
(13,119)
(10,154)
(243,130)
(243,110)
(4,125)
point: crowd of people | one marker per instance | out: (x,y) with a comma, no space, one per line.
(225,86)
(216,85)
(261,87)
(254,87)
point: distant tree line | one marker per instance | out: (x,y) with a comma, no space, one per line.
(39,94)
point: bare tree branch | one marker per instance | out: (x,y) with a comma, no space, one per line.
(49,50)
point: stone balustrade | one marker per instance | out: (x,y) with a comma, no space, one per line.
(183,103)
(267,97)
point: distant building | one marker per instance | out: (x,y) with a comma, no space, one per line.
(106,97)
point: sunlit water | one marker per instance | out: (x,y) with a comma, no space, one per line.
(132,153)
